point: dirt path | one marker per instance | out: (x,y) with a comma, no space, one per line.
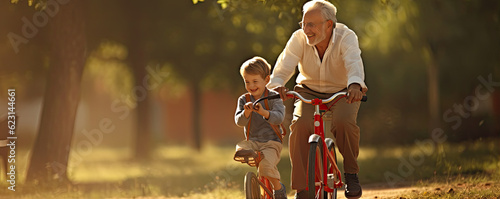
(382,191)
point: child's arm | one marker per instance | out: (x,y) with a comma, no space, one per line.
(240,117)
(274,116)
(261,111)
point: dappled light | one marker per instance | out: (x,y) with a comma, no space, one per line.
(107,69)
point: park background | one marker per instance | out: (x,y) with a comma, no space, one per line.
(136,98)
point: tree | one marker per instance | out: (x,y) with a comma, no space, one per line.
(49,160)
(138,60)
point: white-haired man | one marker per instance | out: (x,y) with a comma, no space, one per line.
(329,60)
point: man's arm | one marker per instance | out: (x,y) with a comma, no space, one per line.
(354,66)
(287,61)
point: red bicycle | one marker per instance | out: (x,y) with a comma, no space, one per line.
(324,177)
(256,186)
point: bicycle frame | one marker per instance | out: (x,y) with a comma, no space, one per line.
(266,185)
(319,136)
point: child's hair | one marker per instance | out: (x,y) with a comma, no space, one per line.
(256,66)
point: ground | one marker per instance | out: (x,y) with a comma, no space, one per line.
(460,170)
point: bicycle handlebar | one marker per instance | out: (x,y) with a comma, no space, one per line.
(308,101)
(268,97)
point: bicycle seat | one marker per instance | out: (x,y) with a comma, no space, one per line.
(250,157)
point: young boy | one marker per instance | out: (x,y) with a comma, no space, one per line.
(260,135)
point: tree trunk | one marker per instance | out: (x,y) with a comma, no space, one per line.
(143,130)
(197,115)
(138,60)
(49,160)
(433,89)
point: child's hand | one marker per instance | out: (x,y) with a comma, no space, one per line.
(261,111)
(248,109)
(248,106)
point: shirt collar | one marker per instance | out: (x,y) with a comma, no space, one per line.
(333,36)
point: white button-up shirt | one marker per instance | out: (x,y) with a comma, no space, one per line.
(340,67)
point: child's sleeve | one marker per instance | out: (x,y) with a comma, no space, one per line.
(239,116)
(277,112)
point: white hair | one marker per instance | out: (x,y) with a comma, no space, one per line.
(328,10)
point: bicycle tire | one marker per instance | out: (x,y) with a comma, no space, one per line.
(315,157)
(331,147)
(252,187)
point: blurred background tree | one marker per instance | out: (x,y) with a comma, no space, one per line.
(65,50)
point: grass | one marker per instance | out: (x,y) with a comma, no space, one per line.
(458,187)
(471,170)
(465,170)
(175,171)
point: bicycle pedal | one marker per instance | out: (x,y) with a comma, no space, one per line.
(245,156)
(250,157)
(251,162)
(241,159)
(254,162)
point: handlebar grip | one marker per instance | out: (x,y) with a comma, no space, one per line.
(364,99)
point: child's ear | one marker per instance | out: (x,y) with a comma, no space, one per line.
(268,78)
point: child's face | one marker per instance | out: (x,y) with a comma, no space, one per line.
(255,84)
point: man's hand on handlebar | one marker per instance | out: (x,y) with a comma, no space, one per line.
(282,91)
(354,93)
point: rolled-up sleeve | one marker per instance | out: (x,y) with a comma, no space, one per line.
(353,62)
(287,61)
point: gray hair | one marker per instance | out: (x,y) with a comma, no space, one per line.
(328,10)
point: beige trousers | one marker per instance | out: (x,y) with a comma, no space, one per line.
(344,128)
(272,154)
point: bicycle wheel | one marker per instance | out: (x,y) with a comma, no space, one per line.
(315,171)
(331,147)
(252,187)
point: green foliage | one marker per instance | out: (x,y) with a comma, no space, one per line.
(230,35)
(196,1)
(38,4)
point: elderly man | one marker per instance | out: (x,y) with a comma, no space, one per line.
(329,60)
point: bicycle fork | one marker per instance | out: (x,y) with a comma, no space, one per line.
(319,136)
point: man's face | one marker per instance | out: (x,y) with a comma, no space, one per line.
(314,26)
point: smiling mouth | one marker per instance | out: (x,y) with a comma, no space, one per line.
(253,90)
